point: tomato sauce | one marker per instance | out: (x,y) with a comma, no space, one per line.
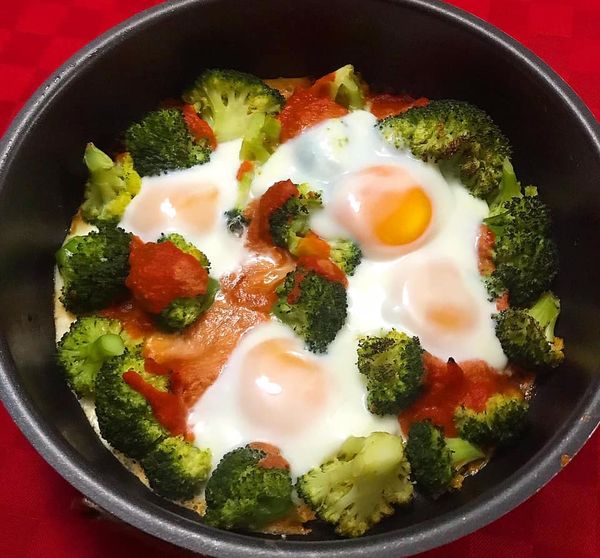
(448,385)
(324,267)
(304,109)
(199,128)
(161,272)
(273,458)
(313,245)
(245,167)
(486,241)
(269,202)
(168,408)
(136,322)
(384,104)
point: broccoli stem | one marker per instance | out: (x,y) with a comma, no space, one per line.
(509,187)
(545,311)
(107,346)
(95,159)
(463,452)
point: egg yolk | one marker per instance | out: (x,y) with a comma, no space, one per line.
(281,388)
(387,206)
(193,209)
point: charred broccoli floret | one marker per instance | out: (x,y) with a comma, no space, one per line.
(289,222)
(110,186)
(242,494)
(94,268)
(227,99)
(458,136)
(346,254)
(125,418)
(436,460)
(393,365)
(527,335)
(525,256)
(359,486)
(82,350)
(502,420)
(176,469)
(183,312)
(161,142)
(313,306)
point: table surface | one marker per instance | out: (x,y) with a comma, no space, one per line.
(41,514)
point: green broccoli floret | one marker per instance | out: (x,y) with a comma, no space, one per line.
(346,254)
(313,306)
(241,494)
(393,365)
(125,418)
(261,137)
(161,142)
(289,222)
(183,312)
(186,247)
(435,460)
(110,186)
(227,99)
(358,487)
(94,268)
(458,136)
(176,469)
(527,335)
(236,221)
(347,88)
(502,420)
(525,256)
(82,350)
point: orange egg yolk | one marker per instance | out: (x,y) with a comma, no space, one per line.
(193,209)
(281,388)
(389,207)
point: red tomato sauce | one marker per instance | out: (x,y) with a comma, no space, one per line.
(199,128)
(136,322)
(486,241)
(245,167)
(273,458)
(449,385)
(168,408)
(313,245)
(324,267)
(304,109)
(384,104)
(161,272)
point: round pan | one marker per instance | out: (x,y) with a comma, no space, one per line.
(418,46)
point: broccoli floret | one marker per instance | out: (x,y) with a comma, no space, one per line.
(161,142)
(527,335)
(82,350)
(502,420)
(241,494)
(261,137)
(458,136)
(227,99)
(347,88)
(393,365)
(525,256)
(182,312)
(236,221)
(359,486)
(346,254)
(436,460)
(289,222)
(125,418)
(186,247)
(313,306)
(176,469)
(110,186)
(94,268)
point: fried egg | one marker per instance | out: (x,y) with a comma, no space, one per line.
(192,202)
(273,390)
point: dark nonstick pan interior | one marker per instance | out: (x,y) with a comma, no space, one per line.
(420,47)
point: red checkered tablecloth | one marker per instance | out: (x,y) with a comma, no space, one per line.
(41,515)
